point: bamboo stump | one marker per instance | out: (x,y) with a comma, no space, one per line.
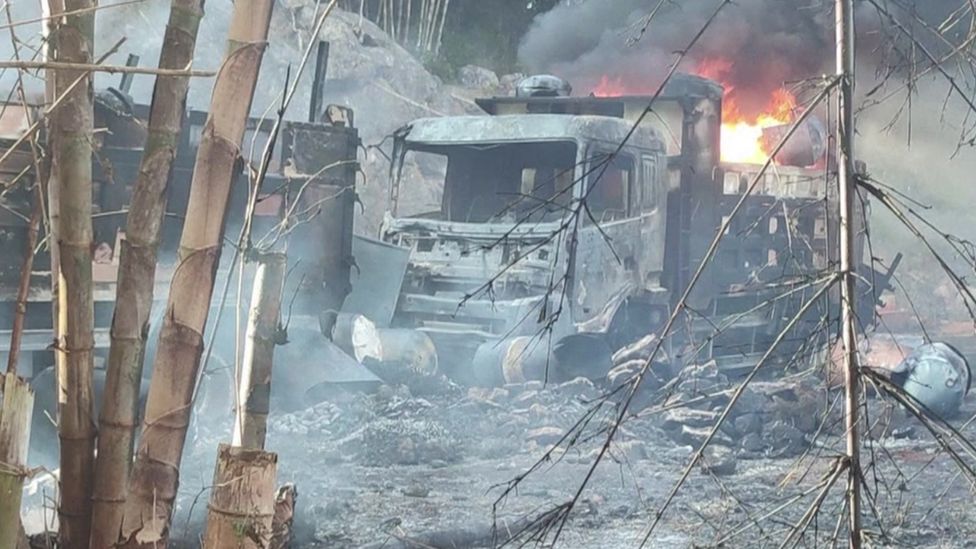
(242,502)
(15,420)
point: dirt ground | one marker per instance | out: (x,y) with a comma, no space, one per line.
(395,466)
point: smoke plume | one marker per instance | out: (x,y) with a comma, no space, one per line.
(753,47)
(589,42)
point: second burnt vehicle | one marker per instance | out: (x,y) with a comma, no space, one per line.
(488,251)
(313,167)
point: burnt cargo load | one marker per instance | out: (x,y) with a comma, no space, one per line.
(312,173)
(500,270)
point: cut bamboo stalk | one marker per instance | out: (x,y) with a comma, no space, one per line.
(242,501)
(251,423)
(15,419)
(72,140)
(137,272)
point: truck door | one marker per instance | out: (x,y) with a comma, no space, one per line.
(652,212)
(607,258)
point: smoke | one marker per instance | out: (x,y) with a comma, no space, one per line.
(753,47)
(590,41)
(916,151)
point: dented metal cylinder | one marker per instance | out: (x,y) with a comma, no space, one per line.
(938,377)
(527,358)
(412,348)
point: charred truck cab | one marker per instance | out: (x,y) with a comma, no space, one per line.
(505,264)
(492,251)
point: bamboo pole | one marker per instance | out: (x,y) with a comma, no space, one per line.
(155,472)
(250,426)
(440,30)
(420,23)
(15,418)
(432,25)
(242,502)
(844,13)
(405,39)
(51,9)
(398,20)
(72,135)
(137,272)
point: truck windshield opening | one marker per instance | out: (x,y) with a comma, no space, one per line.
(523,182)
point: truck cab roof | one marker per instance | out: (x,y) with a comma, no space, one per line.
(530,128)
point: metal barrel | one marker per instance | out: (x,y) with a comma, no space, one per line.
(412,348)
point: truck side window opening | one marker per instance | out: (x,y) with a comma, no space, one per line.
(609,189)
(648,198)
(488,183)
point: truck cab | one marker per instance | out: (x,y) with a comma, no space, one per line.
(552,218)
(491,209)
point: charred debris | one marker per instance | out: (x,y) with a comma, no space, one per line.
(527,263)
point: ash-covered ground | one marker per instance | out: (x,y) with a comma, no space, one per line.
(381,469)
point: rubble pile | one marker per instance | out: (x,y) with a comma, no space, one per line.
(770,419)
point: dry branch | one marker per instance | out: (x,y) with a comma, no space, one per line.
(113,69)
(47,18)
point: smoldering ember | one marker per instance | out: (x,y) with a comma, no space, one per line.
(434,274)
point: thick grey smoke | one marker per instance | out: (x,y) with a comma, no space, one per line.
(753,47)
(766,43)
(592,40)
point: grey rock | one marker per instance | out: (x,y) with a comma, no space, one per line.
(695,436)
(719,461)
(784,439)
(579,388)
(748,423)
(752,442)
(679,417)
(545,435)
(479,78)
(415,491)
(629,451)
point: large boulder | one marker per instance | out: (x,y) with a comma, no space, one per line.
(478,78)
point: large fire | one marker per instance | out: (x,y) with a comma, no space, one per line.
(741,133)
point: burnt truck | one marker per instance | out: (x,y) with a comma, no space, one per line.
(526,245)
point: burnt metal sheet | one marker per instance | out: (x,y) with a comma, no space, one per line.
(376,279)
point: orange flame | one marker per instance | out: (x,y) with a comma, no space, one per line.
(741,134)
